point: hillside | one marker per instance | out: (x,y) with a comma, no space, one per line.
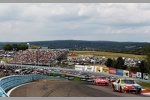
(124,47)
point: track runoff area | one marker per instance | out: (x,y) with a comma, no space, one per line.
(65,88)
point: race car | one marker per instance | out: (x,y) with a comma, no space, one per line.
(126,85)
(112,79)
(90,80)
(70,77)
(85,78)
(101,80)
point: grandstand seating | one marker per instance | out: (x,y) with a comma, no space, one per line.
(38,56)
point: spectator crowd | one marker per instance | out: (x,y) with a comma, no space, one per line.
(39,56)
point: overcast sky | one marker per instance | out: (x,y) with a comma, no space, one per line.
(39,22)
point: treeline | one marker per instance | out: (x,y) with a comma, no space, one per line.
(137,51)
(143,66)
(17,47)
(120,64)
(119,47)
(147,61)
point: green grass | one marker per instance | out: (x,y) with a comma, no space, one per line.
(106,54)
(62,76)
(76,79)
(54,74)
(144,85)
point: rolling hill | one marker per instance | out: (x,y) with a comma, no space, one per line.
(127,47)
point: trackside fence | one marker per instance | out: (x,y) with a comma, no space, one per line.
(69,69)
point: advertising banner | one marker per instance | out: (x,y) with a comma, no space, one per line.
(125,73)
(139,75)
(112,71)
(79,67)
(106,70)
(120,72)
(145,76)
(98,69)
(89,68)
(132,74)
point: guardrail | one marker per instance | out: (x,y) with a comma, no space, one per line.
(9,82)
(69,69)
(45,67)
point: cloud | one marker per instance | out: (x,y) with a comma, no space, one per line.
(100,21)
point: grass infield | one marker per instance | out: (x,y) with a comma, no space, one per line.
(144,85)
(105,54)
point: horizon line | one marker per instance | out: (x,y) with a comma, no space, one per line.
(72,40)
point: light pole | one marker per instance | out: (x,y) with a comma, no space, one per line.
(49,62)
(21,62)
(36,57)
(28,45)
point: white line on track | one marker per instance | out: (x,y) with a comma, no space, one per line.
(147,94)
(9,92)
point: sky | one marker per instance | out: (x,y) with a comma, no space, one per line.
(123,22)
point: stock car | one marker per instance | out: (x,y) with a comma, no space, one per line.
(126,85)
(101,80)
(85,78)
(90,80)
(112,79)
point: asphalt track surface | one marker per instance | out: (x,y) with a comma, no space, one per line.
(60,88)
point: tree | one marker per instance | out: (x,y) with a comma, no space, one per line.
(147,53)
(14,46)
(17,47)
(142,67)
(34,47)
(23,46)
(133,69)
(119,63)
(110,62)
(8,47)
(124,67)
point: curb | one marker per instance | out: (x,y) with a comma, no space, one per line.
(146,92)
(9,92)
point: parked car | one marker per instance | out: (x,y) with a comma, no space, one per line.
(126,85)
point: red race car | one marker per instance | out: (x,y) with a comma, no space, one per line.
(101,80)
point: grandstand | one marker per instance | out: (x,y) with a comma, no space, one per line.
(38,56)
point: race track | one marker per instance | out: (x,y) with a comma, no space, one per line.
(59,88)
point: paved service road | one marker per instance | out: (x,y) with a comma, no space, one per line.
(59,88)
